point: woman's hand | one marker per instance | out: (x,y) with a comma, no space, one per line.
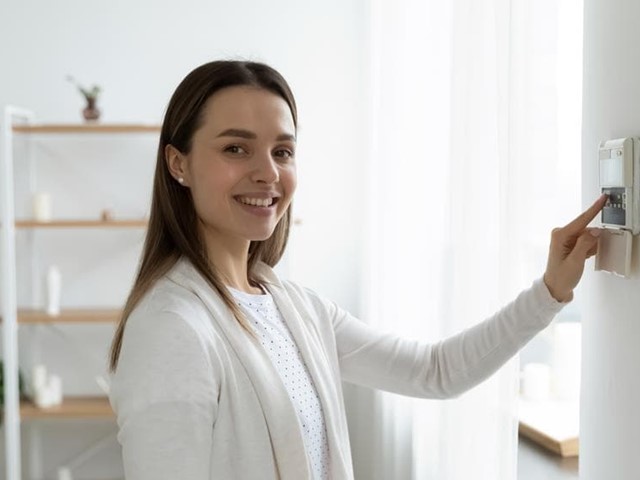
(570,246)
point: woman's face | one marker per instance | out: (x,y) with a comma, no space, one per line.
(241,168)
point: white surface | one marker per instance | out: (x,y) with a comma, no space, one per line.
(475,159)
(616,162)
(565,360)
(610,419)
(614,252)
(536,381)
(8,298)
(556,419)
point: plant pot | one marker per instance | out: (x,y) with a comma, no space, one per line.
(91,112)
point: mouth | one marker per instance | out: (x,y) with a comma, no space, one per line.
(257,202)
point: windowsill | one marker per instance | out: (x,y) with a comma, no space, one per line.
(554,425)
(536,462)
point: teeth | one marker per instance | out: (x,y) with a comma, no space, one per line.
(259,202)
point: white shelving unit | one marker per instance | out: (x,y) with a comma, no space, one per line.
(20,121)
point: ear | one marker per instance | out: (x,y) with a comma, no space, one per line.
(177,164)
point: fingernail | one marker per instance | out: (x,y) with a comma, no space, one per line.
(595,232)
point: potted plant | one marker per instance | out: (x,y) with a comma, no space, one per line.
(20,387)
(91,111)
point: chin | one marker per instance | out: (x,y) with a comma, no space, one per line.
(261,236)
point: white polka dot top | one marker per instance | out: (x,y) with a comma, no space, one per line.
(276,339)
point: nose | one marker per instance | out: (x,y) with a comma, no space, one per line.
(265,170)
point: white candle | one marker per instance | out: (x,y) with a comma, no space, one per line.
(38,378)
(43,397)
(42,207)
(54,287)
(55,389)
(64,474)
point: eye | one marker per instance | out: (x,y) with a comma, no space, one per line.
(235,149)
(284,153)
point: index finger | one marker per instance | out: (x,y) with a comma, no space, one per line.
(578,224)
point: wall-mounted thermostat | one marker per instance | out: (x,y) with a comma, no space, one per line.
(620,179)
(619,164)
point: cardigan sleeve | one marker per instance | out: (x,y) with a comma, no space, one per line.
(164,393)
(447,368)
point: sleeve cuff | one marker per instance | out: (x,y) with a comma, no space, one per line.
(544,296)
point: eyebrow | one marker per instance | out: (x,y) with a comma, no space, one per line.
(238,132)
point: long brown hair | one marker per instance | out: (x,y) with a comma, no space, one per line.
(172,232)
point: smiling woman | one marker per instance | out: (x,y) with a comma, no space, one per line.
(220,369)
(240,172)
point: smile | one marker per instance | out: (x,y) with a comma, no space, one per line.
(257,202)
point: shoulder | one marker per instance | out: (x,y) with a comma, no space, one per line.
(169,350)
(173,304)
(310,297)
(169,324)
(302,296)
(168,313)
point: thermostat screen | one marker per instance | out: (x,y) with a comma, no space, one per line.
(614,212)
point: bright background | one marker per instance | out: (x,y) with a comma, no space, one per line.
(452,131)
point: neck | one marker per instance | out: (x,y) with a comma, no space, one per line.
(230,257)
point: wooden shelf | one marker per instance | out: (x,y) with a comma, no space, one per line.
(70,316)
(568,447)
(72,407)
(131,223)
(553,425)
(83,316)
(87,128)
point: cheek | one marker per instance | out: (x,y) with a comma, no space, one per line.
(289,179)
(213,180)
(208,194)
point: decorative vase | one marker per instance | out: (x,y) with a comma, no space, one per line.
(54,286)
(91,112)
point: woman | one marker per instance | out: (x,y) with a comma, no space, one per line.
(223,371)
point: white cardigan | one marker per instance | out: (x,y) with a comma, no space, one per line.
(198,399)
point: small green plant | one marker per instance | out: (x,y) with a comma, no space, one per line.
(20,383)
(90,94)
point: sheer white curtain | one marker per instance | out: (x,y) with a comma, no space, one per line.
(467,179)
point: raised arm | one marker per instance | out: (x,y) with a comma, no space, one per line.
(447,368)
(452,366)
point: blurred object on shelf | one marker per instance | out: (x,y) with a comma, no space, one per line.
(54,290)
(106,215)
(42,207)
(20,386)
(91,113)
(46,389)
(64,473)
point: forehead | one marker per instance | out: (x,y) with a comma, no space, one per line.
(251,108)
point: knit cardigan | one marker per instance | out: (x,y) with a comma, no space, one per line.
(197,398)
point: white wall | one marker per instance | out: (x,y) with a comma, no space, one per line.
(610,420)
(138,52)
